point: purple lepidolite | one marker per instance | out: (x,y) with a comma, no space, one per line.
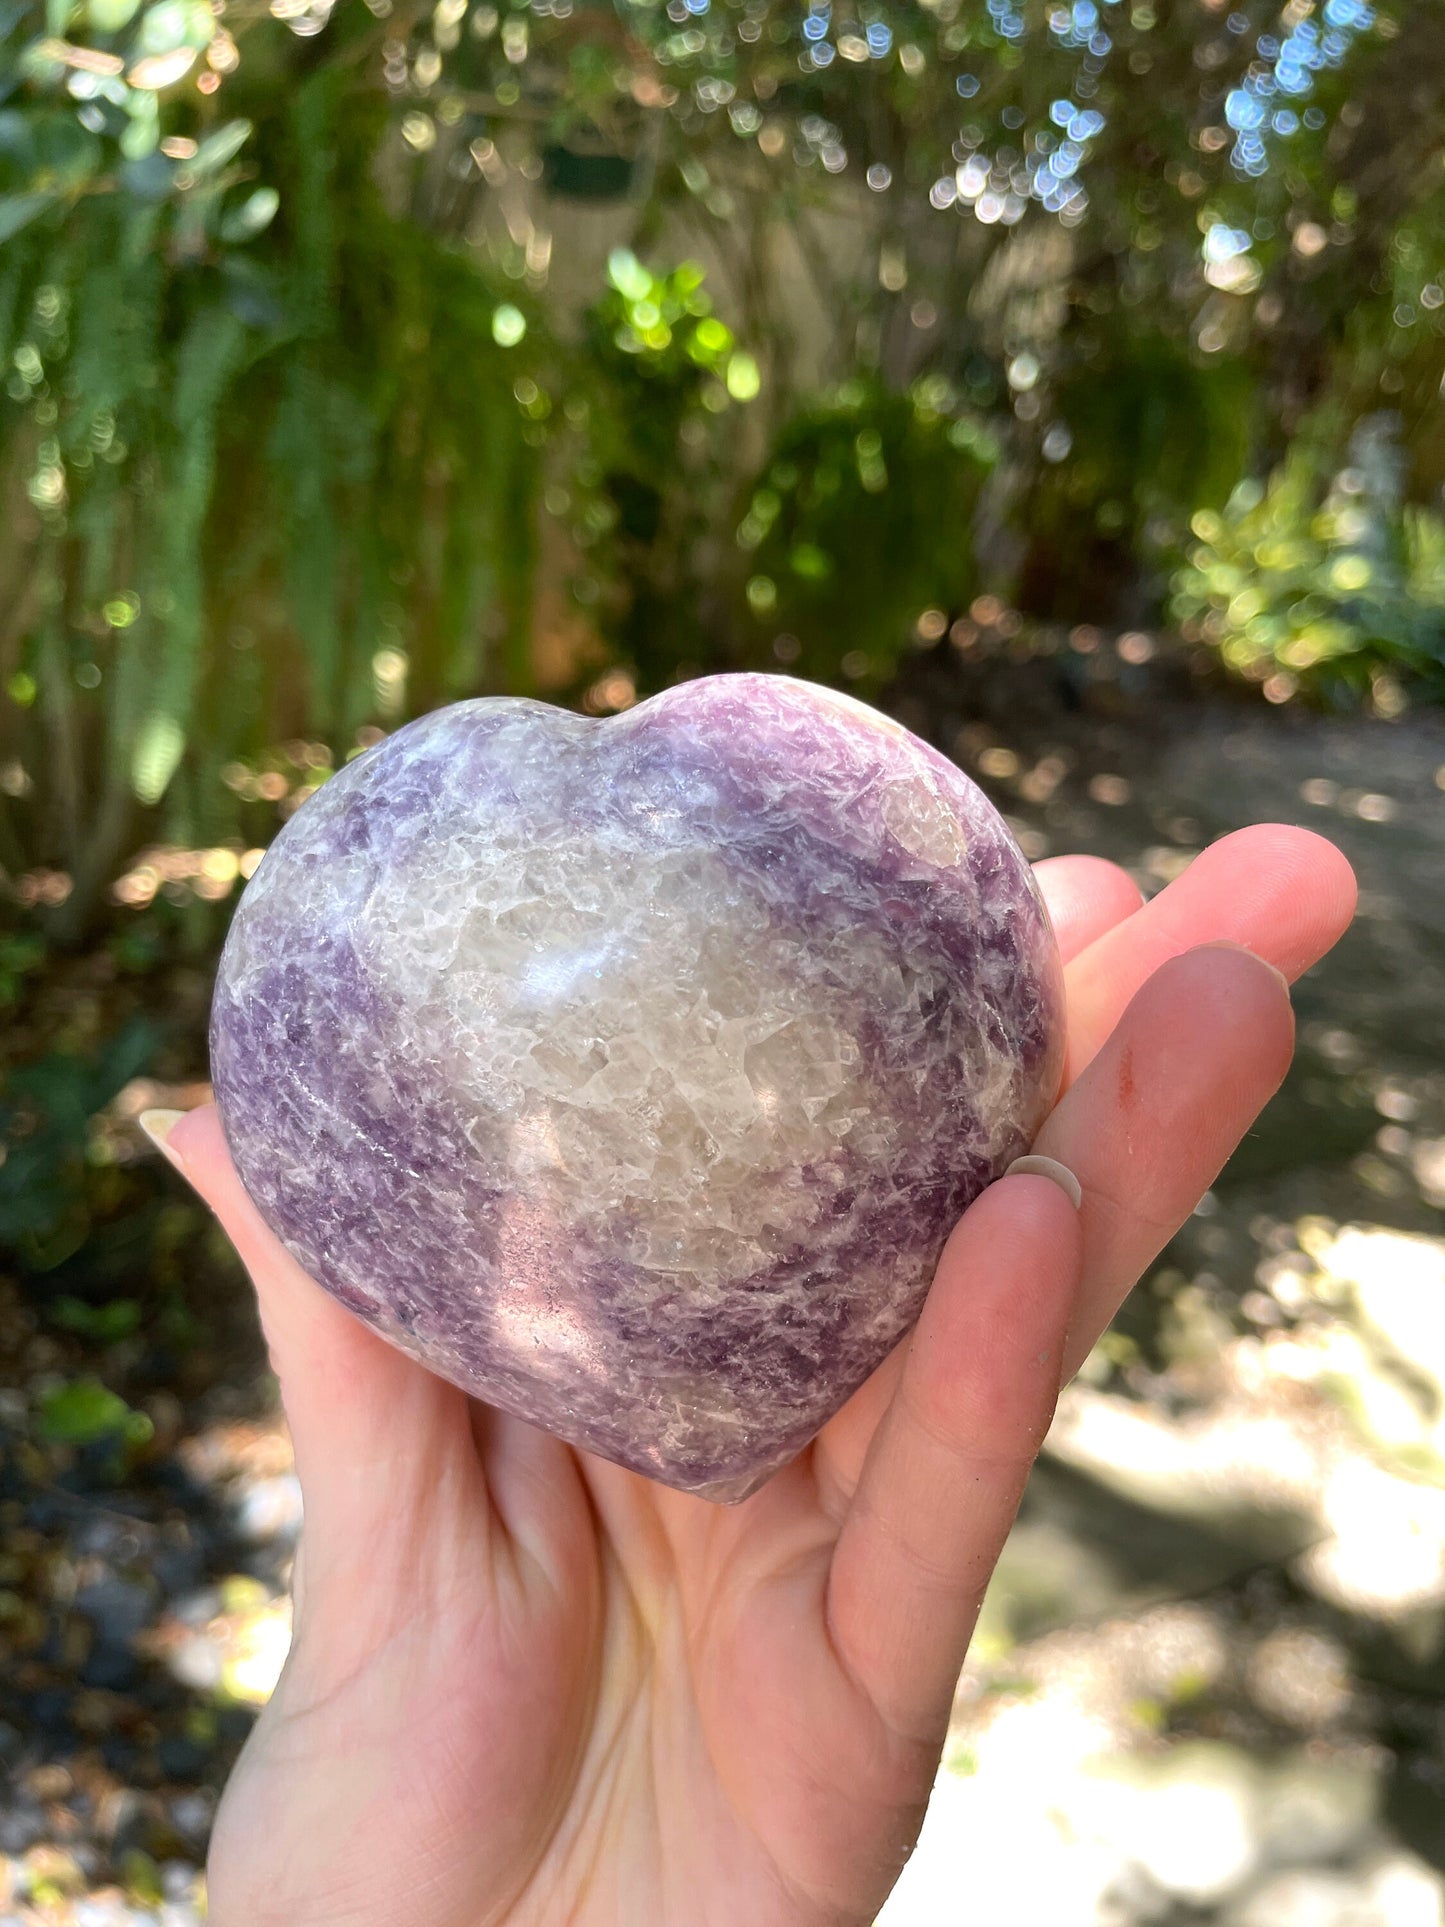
(631,1074)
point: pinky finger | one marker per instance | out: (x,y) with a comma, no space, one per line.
(947,1467)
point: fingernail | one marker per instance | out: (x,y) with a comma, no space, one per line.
(158,1126)
(1243,949)
(1036,1166)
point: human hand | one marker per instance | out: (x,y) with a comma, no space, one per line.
(528,1687)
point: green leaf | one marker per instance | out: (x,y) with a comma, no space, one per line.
(40,62)
(66,155)
(173,24)
(811,562)
(17,211)
(149,178)
(17,137)
(743,379)
(156,757)
(509,325)
(103,1324)
(143,135)
(220,147)
(109,16)
(84,1412)
(252,217)
(627,275)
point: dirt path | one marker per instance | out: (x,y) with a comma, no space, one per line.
(1210,1681)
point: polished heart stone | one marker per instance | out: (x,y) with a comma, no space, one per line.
(631,1073)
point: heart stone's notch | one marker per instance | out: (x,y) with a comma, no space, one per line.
(631,1074)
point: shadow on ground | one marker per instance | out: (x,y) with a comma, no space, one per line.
(1209,1685)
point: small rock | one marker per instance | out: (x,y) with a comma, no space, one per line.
(119,1754)
(1188,1819)
(105,1535)
(1304,1897)
(50,1710)
(21,1825)
(1316,1810)
(101,1910)
(196,1608)
(178,1879)
(177,1566)
(49,1781)
(270,1509)
(110,1668)
(191,1816)
(181,1758)
(117,1607)
(1394,1890)
(117,1811)
(197,1662)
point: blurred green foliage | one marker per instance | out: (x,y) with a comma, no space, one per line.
(1338,587)
(359,354)
(855,525)
(50,1202)
(85,1412)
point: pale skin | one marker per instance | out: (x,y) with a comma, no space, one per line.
(529,1689)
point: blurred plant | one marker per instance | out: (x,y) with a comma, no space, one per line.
(296,416)
(105,1324)
(860,525)
(663,326)
(245,489)
(1141,432)
(50,1202)
(20,958)
(82,1411)
(656,398)
(1337,588)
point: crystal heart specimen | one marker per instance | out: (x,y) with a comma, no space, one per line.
(631,1074)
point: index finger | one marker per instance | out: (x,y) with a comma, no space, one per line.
(1285,894)
(1086,897)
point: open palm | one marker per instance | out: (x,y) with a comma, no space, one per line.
(529,1687)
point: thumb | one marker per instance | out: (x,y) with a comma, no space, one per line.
(370,1426)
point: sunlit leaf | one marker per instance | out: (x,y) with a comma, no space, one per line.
(143,133)
(628,275)
(157,71)
(156,757)
(172,24)
(509,325)
(252,217)
(109,16)
(744,381)
(219,148)
(85,1412)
